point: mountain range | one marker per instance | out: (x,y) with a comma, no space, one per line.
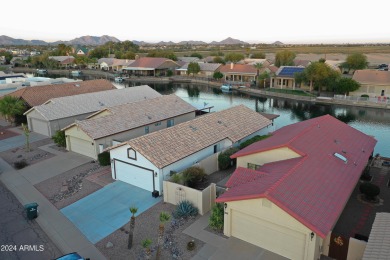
(99,40)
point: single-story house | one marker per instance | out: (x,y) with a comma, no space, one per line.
(378,246)
(57,113)
(81,51)
(374,83)
(206,69)
(188,59)
(289,190)
(114,64)
(38,95)
(121,123)
(285,77)
(301,63)
(63,61)
(253,62)
(150,66)
(239,73)
(148,160)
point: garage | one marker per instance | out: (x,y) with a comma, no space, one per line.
(82,147)
(134,175)
(39,126)
(275,238)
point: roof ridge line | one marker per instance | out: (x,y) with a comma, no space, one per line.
(292,170)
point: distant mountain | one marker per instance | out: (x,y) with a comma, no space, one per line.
(84,40)
(192,43)
(278,43)
(228,41)
(140,42)
(5,40)
(165,43)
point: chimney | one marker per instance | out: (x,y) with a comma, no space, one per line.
(231,65)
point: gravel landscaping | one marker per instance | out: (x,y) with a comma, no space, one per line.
(146,227)
(33,156)
(71,186)
(4,133)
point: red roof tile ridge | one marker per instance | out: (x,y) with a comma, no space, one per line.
(292,170)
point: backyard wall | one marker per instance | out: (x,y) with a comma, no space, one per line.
(356,249)
(204,200)
(209,164)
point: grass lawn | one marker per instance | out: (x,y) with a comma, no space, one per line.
(291,92)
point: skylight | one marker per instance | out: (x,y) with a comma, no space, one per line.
(341,157)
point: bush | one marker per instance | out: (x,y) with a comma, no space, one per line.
(365,95)
(104,158)
(369,190)
(216,217)
(176,178)
(169,73)
(20,164)
(185,209)
(193,176)
(224,161)
(253,140)
(59,138)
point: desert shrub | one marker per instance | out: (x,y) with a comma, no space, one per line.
(224,161)
(185,209)
(20,164)
(59,138)
(365,95)
(193,176)
(176,178)
(253,140)
(104,158)
(369,190)
(216,217)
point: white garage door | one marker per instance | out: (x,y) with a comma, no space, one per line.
(275,238)
(81,146)
(134,175)
(39,126)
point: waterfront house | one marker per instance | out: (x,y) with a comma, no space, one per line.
(121,123)
(148,160)
(206,69)
(374,83)
(150,66)
(285,77)
(57,113)
(239,73)
(63,62)
(114,64)
(289,190)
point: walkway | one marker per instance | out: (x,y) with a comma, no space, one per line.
(59,229)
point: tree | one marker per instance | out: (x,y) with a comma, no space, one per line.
(218,59)
(59,138)
(193,68)
(217,75)
(163,54)
(133,210)
(284,58)
(263,77)
(27,134)
(99,52)
(196,54)
(234,57)
(146,245)
(258,67)
(346,85)
(356,61)
(258,55)
(8,56)
(164,217)
(10,107)
(62,50)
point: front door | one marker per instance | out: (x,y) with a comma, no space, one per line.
(338,248)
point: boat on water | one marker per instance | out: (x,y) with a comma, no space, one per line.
(226,87)
(77,73)
(42,71)
(119,79)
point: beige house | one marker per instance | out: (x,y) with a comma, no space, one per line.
(375,83)
(206,69)
(289,190)
(150,66)
(117,124)
(239,73)
(285,77)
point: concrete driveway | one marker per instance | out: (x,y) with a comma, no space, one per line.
(106,210)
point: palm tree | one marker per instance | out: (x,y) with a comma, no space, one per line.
(258,67)
(164,217)
(146,245)
(10,107)
(133,210)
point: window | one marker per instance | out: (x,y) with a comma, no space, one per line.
(146,129)
(170,123)
(157,124)
(253,166)
(131,154)
(215,148)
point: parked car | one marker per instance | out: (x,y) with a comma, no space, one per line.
(71,256)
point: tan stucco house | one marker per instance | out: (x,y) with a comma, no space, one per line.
(150,66)
(289,190)
(375,83)
(121,123)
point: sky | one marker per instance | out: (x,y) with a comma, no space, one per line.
(253,21)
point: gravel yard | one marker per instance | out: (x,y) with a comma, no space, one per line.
(71,186)
(33,156)
(146,226)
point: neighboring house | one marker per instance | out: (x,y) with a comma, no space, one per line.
(188,59)
(81,51)
(18,61)
(285,77)
(40,94)
(63,61)
(253,62)
(121,123)
(148,160)
(2,60)
(238,73)
(374,83)
(114,64)
(206,69)
(57,113)
(378,246)
(149,66)
(289,190)
(301,63)
(208,59)
(336,65)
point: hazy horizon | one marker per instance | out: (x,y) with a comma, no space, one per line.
(298,22)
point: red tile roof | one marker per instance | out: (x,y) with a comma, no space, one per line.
(313,188)
(151,62)
(238,68)
(38,95)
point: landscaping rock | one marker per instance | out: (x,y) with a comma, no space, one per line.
(109,245)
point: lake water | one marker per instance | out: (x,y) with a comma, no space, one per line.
(375,122)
